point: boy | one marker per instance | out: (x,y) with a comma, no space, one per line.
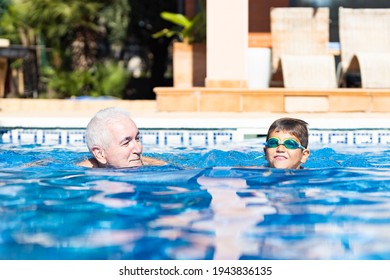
(286,145)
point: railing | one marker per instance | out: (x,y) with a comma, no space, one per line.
(30,67)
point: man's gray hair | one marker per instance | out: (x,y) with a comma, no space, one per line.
(97,132)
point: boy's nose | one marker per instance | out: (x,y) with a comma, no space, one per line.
(281,147)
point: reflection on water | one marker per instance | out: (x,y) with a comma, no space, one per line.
(207,204)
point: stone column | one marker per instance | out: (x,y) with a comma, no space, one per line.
(227,43)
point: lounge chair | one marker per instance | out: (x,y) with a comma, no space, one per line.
(300,38)
(365,47)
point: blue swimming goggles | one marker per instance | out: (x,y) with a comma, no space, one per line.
(290,143)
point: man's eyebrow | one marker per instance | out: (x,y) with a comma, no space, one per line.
(128,138)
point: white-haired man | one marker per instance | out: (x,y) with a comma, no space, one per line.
(114,141)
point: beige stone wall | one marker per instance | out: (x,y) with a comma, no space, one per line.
(277,100)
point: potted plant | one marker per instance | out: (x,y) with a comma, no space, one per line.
(189,49)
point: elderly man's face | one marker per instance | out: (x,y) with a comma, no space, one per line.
(125,149)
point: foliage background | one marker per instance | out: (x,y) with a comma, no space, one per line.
(91,47)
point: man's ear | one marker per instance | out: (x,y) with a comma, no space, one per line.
(99,154)
(305,155)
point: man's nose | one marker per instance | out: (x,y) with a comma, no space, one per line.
(137,147)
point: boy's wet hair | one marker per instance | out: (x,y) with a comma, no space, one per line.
(296,127)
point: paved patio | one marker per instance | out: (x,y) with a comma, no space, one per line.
(76,114)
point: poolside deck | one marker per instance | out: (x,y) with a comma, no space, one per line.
(54,113)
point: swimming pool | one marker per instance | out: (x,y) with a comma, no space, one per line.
(211,202)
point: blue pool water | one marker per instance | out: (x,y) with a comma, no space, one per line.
(207,203)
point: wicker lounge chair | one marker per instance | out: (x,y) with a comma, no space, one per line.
(365,47)
(300,38)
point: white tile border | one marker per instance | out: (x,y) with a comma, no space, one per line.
(182,137)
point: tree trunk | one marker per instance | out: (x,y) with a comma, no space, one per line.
(84,49)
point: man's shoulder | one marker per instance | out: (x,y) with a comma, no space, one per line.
(90,162)
(153,161)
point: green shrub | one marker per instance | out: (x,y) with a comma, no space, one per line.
(104,79)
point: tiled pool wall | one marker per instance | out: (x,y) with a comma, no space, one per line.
(185,137)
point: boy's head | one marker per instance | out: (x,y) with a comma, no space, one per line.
(287,142)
